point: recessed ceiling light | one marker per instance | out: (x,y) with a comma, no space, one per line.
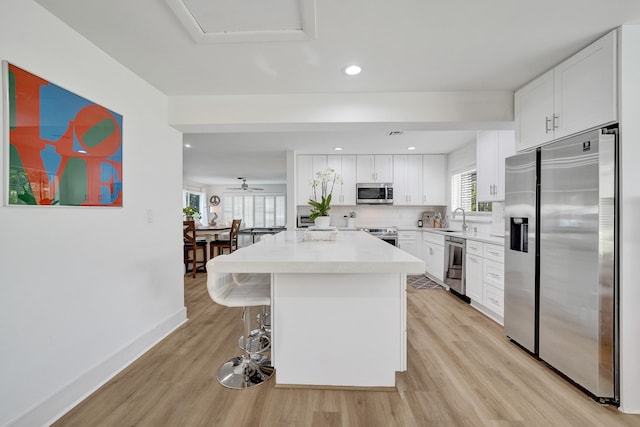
(411,148)
(337,148)
(352,70)
(187,145)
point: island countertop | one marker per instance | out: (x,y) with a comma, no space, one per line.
(289,252)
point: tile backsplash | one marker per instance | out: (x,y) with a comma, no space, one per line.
(389,216)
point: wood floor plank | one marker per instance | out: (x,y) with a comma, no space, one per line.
(462,371)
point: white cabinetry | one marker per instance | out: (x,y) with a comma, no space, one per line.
(407,180)
(485,278)
(306,168)
(491,150)
(433,179)
(408,242)
(345,166)
(433,249)
(374,168)
(576,95)
(473,273)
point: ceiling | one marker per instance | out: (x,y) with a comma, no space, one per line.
(232,47)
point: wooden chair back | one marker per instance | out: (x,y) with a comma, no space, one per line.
(191,246)
(189,232)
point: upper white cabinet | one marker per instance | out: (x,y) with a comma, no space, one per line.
(433,179)
(374,168)
(491,150)
(407,180)
(418,180)
(534,112)
(307,166)
(576,95)
(345,166)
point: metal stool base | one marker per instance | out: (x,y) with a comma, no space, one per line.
(259,341)
(243,372)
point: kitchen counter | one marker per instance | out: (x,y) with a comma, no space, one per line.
(288,252)
(480,237)
(323,294)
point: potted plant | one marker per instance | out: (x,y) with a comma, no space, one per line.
(191,213)
(325,180)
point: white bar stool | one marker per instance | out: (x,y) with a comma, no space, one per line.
(252,368)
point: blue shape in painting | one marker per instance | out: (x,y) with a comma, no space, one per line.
(59,106)
(51,161)
(107,173)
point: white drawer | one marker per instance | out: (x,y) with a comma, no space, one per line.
(407,235)
(494,252)
(493,273)
(493,299)
(438,239)
(475,248)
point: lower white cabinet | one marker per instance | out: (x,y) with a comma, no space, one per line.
(408,242)
(485,277)
(433,249)
(474,277)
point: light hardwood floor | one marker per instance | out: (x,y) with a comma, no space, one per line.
(462,371)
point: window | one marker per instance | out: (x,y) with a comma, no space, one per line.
(463,193)
(264,210)
(196,200)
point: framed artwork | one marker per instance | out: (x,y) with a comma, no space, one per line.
(62,149)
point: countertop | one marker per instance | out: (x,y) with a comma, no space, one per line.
(288,252)
(480,237)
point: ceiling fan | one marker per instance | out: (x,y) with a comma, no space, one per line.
(245,186)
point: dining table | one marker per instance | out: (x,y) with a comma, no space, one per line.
(211,233)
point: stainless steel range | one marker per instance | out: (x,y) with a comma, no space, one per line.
(389,235)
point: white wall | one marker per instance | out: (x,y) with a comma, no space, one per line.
(630,225)
(83,291)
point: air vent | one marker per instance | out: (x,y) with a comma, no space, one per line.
(396,133)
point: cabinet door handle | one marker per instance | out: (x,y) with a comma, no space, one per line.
(547,122)
(494,253)
(494,275)
(555,121)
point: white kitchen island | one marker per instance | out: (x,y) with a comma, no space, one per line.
(338,307)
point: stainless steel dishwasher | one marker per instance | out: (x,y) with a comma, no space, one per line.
(454,264)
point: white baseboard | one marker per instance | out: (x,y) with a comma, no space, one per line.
(60,402)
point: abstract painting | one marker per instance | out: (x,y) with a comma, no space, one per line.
(63,149)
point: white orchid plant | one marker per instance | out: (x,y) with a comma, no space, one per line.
(325,180)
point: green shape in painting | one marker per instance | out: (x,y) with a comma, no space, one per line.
(20,192)
(12,100)
(98,133)
(73,183)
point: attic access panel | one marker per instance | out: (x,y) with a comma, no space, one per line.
(246,20)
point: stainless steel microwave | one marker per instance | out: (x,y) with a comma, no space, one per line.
(374,194)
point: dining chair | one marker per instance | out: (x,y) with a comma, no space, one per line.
(230,243)
(192,246)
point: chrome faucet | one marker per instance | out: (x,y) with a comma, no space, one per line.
(465,227)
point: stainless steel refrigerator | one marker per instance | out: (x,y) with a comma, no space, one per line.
(560,258)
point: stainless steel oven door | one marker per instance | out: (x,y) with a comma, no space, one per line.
(454,264)
(392,240)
